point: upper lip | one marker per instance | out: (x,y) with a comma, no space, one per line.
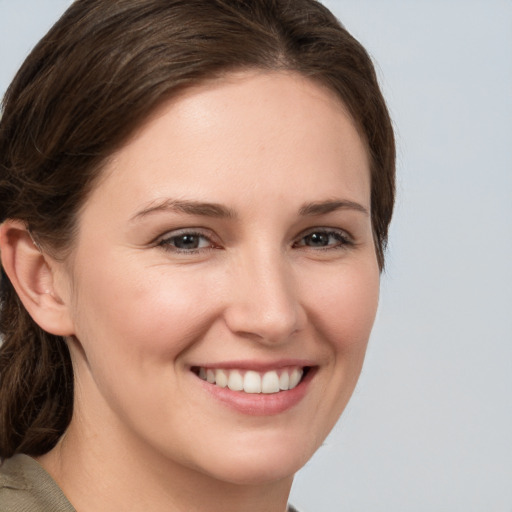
(259,366)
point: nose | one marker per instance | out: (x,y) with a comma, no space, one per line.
(264,303)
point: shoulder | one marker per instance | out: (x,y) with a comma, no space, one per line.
(26,487)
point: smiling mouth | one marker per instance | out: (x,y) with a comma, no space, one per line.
(253,382)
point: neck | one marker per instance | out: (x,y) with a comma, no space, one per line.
(106,472)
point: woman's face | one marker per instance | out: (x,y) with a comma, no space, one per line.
(228,246)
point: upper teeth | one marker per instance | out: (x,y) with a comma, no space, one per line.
(253,382)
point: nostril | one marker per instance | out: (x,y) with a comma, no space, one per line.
(276,326)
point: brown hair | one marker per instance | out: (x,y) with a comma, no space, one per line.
(94,78)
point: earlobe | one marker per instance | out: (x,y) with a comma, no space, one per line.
(32,273)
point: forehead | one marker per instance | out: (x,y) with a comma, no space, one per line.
(235,133)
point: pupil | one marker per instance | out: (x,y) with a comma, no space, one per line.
(186,242)
(318,239)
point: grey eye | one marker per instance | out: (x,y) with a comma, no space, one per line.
(187,241)
(318,239)
(324,239)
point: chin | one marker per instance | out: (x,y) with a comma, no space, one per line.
(261,461)
(254,473)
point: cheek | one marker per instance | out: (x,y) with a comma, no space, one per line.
(341,308)
(344,307)
(134,312)
(133,328)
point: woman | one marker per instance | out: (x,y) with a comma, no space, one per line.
(195,199)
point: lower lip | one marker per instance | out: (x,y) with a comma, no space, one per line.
(260,404)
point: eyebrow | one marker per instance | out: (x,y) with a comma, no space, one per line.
(188,207)
(324,207)
(216,210)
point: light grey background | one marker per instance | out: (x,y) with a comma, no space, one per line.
(430,425)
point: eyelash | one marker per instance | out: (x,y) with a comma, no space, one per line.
(167,243)
(343,240)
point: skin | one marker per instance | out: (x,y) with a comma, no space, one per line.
(146,435)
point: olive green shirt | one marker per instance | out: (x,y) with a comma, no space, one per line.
(26,487)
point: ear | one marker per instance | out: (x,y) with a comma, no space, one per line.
(33,275)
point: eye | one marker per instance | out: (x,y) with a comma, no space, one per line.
(186,242)
(324,239)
